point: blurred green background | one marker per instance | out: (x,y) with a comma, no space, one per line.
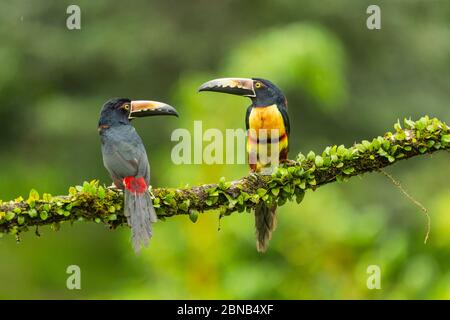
(344,83)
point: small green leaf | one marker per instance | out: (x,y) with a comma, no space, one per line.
(400,136)
(302,184)
(311,155)
(193,215)
(86,187)
(397,126)
(299,195)
(300,157)
(21,219)
(222,184)
(261,192)
(318,161)
(423,149)
(184,206)
(101,192)
(376,144)
(348,170)
(445,139)
(367,145)
(421,123)
(10,215)
(34,195)
(341,150)
(43,215)
(360,147)
(275,191)
(32,213)
(409,123)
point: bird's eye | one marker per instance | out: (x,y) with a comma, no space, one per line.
(258,85)
(126,106)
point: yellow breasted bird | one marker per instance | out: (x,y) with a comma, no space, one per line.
(267,122)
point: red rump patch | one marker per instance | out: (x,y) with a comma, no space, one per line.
(135,185)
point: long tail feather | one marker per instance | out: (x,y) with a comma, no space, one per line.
(265,224)
(140,215)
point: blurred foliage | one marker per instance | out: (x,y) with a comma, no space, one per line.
(300,57)
(344,83)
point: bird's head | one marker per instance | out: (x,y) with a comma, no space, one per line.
(122,110)
(262,92)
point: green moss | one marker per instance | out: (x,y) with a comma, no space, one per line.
(93,202)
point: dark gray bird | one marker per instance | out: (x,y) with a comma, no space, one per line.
(125,158)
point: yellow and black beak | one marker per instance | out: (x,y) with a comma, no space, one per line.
(237,86)
(146,108)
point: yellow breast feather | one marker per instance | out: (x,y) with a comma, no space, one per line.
(267,118)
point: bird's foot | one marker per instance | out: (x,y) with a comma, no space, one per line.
(253,176)
(150,190)
(288,162)
(112,187)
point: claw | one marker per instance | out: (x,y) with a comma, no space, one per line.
(288,162)
(112,187)
(253,176)
(150,190)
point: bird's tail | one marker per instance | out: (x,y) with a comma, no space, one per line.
(140,215)
(265,223)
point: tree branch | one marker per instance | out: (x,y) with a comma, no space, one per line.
(93,202)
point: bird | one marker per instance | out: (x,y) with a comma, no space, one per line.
(267,124)
(125,158)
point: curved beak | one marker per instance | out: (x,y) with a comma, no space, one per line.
(237,86)
(146,108)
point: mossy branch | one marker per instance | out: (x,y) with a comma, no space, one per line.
(92,202)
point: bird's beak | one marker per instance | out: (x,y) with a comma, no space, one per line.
(238,86)
(146,108)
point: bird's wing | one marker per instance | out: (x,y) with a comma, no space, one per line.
(127,157)
(285,116)
(247,117)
